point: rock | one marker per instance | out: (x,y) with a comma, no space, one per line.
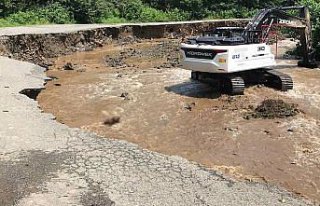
(46,64)
(82,69)
(115,62)
(229,129)
(112,121)
(53,78)
(189,106)
(267,132)
(290,130)
(247,117)
(271,109)
(307,151)
(164,118)
(68,66)
(125,95)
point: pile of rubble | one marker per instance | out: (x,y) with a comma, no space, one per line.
(166,50)
(271,109)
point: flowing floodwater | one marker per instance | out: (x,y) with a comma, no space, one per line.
(137,92)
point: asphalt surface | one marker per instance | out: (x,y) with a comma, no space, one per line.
(43,162)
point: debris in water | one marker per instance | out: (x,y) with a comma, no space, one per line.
(290,130)
(68,66)
(112,121)
(228,99)
(125,95)
(115,62)
(167,51)
(189,106)
(82,69)
(53,77)
(271,109)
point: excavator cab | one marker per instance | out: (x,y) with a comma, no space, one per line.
(220,36)
(227,32)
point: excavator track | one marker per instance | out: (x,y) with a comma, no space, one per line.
(279,80)
(233,85)
(229,84)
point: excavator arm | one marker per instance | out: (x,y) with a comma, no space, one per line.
(266,18)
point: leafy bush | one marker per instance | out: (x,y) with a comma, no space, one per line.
(226,14)
(30,17)
(112,20)
(54,13)
(178,15)
(89,11)
(131,10)
(5,23)
(149,14)
(57,14)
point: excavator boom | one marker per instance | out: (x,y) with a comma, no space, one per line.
(231,59)
(254,31)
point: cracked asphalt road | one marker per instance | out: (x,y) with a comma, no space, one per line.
(69,28)
(43,162)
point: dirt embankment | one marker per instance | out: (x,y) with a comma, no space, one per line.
(40,48)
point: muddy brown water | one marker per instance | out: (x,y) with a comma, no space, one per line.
(162,110)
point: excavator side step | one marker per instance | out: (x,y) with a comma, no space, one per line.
(278,80)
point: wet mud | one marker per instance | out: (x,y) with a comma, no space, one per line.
(122,92)
(273,108)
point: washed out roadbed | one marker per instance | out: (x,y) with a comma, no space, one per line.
(136,92)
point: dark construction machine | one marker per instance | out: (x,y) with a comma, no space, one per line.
(234,56)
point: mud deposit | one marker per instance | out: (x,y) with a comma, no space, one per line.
(273,108)
(136,92)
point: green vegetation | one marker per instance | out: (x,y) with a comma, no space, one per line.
(17,12)
(314,5)
(27,12)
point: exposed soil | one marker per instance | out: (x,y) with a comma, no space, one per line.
(122,91)
(38,48)
(273,108)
